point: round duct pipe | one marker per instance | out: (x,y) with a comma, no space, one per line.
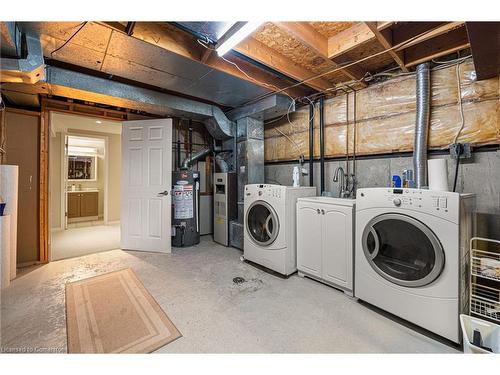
(423,91)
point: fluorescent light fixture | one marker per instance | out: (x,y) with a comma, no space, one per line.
(237,37)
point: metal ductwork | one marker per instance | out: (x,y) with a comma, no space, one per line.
(422,125)
(24,70)
(222,164)
(186,163)
(75,85)
(70,84)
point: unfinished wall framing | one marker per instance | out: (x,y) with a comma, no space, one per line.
(385,118)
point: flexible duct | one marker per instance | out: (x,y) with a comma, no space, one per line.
(422,125)
(190,160)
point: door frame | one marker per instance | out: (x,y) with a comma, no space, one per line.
(64,172)
(49,106)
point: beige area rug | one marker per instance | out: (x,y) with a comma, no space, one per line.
(114,313)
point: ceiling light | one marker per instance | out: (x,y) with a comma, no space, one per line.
(98,122)
(237,37)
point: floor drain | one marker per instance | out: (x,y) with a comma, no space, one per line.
(239,280)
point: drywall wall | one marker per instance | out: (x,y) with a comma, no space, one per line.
(114,176)
(385,118)
(22,149)
(480,176)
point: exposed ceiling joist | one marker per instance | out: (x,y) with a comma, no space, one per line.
(308,36)
(484,40)
(258,51)
(441,45)
(385,39)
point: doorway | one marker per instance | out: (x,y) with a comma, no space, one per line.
(84,185)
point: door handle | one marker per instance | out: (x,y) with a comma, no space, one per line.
(322,212)
(163,193)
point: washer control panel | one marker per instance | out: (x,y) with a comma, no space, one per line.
(440,203)
(263,191)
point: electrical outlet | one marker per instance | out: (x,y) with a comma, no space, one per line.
(460,149)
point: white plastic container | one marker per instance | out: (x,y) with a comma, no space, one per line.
(490,333)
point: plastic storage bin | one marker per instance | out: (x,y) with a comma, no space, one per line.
(490,333)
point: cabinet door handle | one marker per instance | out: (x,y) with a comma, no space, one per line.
(317,211)
(322,212)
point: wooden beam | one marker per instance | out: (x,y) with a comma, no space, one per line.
(258,51)
(349,39)
(441,45)
(484,38)
(385,39)
(307,35)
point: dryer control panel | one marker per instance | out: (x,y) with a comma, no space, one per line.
(444,204)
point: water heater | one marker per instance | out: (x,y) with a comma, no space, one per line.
(185,208)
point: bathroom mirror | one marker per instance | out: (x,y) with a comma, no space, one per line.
(82,167)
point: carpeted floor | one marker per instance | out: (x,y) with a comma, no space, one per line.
(76,242)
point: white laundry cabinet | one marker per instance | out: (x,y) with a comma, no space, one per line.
(325,240)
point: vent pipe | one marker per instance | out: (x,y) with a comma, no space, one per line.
(422,125)
(193,158)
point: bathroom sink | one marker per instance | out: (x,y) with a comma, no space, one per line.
(82,190)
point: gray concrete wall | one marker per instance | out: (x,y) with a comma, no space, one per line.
(480,176)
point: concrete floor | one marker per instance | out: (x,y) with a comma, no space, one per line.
(195,288)
(84,239)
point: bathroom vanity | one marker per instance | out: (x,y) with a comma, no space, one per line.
(83,204)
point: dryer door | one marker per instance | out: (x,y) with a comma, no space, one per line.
(403,250)
(262,223)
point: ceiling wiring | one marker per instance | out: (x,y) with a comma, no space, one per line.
(82,25)
(268,85)
(460,105)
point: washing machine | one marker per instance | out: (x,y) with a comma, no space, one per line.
(411,255)
(270,225)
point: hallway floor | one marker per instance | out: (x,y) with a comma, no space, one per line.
(87,239)
(195,288)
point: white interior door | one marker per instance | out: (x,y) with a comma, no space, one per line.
(146,185)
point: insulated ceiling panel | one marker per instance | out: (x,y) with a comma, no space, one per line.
(92,36)
(154,57)
(212,30)
(100,48)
